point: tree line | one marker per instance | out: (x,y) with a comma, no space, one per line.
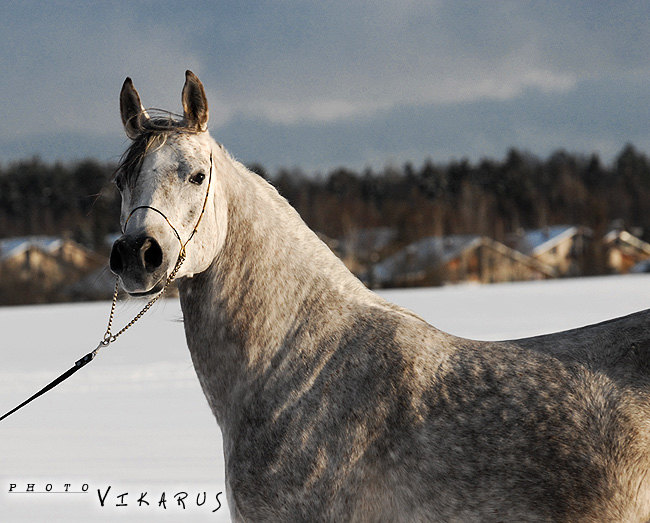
(74,200)
(489,197)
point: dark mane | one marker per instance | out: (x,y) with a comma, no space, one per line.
(153,132)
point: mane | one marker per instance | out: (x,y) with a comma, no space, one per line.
(153,133)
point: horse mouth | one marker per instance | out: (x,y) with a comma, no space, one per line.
(157,287)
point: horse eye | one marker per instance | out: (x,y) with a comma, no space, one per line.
(197,178)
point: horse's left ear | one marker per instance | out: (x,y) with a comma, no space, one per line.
(195,104)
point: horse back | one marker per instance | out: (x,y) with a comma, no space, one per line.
(618,348)
(553,427)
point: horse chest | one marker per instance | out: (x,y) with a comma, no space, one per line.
(301,455)
(286,479)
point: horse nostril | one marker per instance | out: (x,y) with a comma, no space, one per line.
(137,254)
(116,262)
(152,254)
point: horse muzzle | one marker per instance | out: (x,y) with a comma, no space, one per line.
(139,262)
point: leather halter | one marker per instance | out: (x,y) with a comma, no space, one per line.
(205,202)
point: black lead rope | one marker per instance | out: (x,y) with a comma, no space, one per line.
(77,365)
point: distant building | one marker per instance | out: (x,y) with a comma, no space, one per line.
(563,247)
(34,269)
(455,259)
(625,251)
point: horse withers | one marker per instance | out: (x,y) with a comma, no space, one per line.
(336,405)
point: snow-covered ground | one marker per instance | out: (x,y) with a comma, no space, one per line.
(135,419)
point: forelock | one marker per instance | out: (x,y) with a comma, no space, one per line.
(152,134)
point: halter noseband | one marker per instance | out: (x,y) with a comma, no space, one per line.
(181,253)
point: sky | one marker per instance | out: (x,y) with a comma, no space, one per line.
(318,85)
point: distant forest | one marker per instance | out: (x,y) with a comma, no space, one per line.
(490,197)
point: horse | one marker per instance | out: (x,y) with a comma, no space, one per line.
(336,405)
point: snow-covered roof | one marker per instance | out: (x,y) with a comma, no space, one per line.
(432,251)
(627,238)
(11,247)
(536,241)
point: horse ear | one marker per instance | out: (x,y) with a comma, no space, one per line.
(195,104)
(131,109)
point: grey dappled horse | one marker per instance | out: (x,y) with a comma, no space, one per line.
(336,405)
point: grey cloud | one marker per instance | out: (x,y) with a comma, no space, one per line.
(595,117)
(345,82)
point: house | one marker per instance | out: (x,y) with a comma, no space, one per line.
(454,259)
(624,251)
(563,247)
(34,269)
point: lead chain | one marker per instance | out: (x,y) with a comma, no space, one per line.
(109,337)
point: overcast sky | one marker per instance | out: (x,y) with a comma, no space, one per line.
(325,84)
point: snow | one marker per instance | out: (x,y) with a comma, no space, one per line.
(537,241)
(135,419)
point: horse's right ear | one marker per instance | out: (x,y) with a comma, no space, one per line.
(195,103)
(131,109)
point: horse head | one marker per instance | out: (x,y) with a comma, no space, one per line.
(170,191)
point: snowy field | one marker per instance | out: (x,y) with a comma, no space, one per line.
(135,419)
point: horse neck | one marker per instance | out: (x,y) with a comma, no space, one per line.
(271,274)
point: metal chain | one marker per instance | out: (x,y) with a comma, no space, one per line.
(109,337)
